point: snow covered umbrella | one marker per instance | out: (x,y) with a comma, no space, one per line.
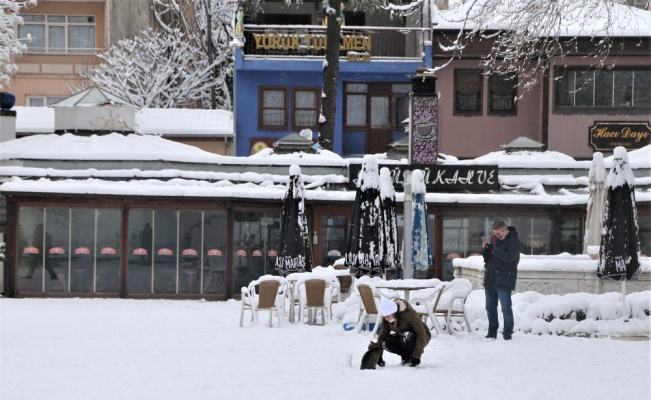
(391,256)
(596,202)
(421,252)
(619,253)
(294,254)
(365,244)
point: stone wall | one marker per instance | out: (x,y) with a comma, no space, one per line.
(558,274)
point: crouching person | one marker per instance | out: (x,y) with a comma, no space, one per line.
(403,332)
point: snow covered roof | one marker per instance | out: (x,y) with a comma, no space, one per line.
(91,97)
(625,21)
(153,166)
(174,122)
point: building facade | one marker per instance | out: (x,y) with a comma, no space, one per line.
(66,35)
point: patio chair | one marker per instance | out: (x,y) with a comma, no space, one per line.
(270,297)
(447,302)
(315,293)
(425,302)
(345,281)
(369,300)
(453,303)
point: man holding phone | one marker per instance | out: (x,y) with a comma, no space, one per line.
(501,258)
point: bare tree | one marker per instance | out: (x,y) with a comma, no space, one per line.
(527,34)
(207,25)
(152,70)
(10,46)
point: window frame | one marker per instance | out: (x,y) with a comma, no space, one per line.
(47,100)
(480,107)
(66,37)
(261,108)
(594,109)
(514,92)
(374,89)
(295,108)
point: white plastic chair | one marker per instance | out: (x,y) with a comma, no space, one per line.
(447,301)
(315,293)
(270,297)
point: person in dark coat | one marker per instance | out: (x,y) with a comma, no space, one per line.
(501,258)
(403,332)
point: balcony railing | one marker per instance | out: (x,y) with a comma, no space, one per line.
(358,43)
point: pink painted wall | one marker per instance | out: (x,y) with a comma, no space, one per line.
(473,136)
(569,134)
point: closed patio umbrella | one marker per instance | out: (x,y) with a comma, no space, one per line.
(620,245)
(596,202)
(421,252)
(391,256)
(365,245)
(294,254)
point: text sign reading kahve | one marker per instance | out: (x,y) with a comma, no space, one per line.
(441,177)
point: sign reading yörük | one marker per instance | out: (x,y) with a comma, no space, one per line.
(440,177)
(358,47)
(605,136)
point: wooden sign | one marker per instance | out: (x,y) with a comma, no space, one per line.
(605,136)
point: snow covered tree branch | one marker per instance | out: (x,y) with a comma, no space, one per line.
(159,70)
(526,35)
(10,46)
(207,26)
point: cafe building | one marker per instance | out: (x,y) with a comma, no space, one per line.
(172,221)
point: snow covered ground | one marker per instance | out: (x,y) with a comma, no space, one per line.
(182,349)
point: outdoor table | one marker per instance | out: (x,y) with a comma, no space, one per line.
(407,285)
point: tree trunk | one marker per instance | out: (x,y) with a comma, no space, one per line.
(330,77)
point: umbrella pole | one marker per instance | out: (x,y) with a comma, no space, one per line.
(624,308)
(407,272)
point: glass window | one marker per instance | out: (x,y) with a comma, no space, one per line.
(623,89)
(642,89)
(166,252)
(584,95)
(255,234)
(356,110)
(107,251)
(141,241)
(334,230)
(615,88)
(36,102)
(57,244)
(215,238)
(306,109)
(49,34)
(644,223)
(379,111)
(572,235)
(603,88)
(82,250)
(502,94)
(31,251)
(273,108)
(468,91)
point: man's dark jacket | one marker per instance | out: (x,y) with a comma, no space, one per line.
(502,260)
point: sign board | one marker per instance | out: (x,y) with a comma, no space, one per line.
(440,177)
(424,129)
(605,136)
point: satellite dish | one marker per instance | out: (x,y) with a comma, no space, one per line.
(306,133)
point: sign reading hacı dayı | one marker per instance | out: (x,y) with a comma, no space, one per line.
(605,136)
(441,177)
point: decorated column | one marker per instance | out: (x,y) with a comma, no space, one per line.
(423,118)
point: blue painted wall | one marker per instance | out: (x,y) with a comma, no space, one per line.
(251,74)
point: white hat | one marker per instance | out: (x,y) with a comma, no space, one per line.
(387,307)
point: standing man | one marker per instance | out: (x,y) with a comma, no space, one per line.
(501,259)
